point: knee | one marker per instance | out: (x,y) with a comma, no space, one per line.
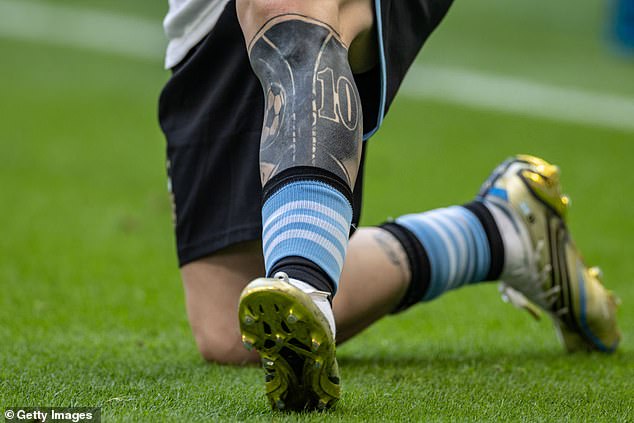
(250,11)
(224,349)
(253,14)
(271,8)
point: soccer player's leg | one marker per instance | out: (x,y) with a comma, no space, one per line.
(310,152)
(375,278)
(211,113)
(515,231)
(212,289)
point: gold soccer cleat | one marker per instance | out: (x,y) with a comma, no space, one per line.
(295,342)
(555,277)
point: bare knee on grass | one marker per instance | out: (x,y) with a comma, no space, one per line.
(223,350)
(212,292)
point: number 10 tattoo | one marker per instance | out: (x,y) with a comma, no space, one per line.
(313,112)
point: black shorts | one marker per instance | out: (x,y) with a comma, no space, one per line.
(211,112)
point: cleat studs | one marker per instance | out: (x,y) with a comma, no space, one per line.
(248,320)
(292,319)
(322,405)
(565,200)
(315,345)
(279,404)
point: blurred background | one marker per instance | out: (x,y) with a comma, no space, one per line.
(89,286)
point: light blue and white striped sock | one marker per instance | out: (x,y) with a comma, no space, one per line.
(456,245)
(309,219)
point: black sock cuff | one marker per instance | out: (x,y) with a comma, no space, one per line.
(307,271)
(496,245)
(418,265)
(306,173)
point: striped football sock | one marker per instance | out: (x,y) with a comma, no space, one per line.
(305,231)
(448,248)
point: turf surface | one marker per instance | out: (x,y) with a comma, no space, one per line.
(91,310)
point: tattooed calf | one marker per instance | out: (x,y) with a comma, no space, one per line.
(313,111)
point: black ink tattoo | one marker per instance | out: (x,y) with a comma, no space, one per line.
(312,112)
(393,251)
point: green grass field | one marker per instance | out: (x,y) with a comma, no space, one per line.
(91,306)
